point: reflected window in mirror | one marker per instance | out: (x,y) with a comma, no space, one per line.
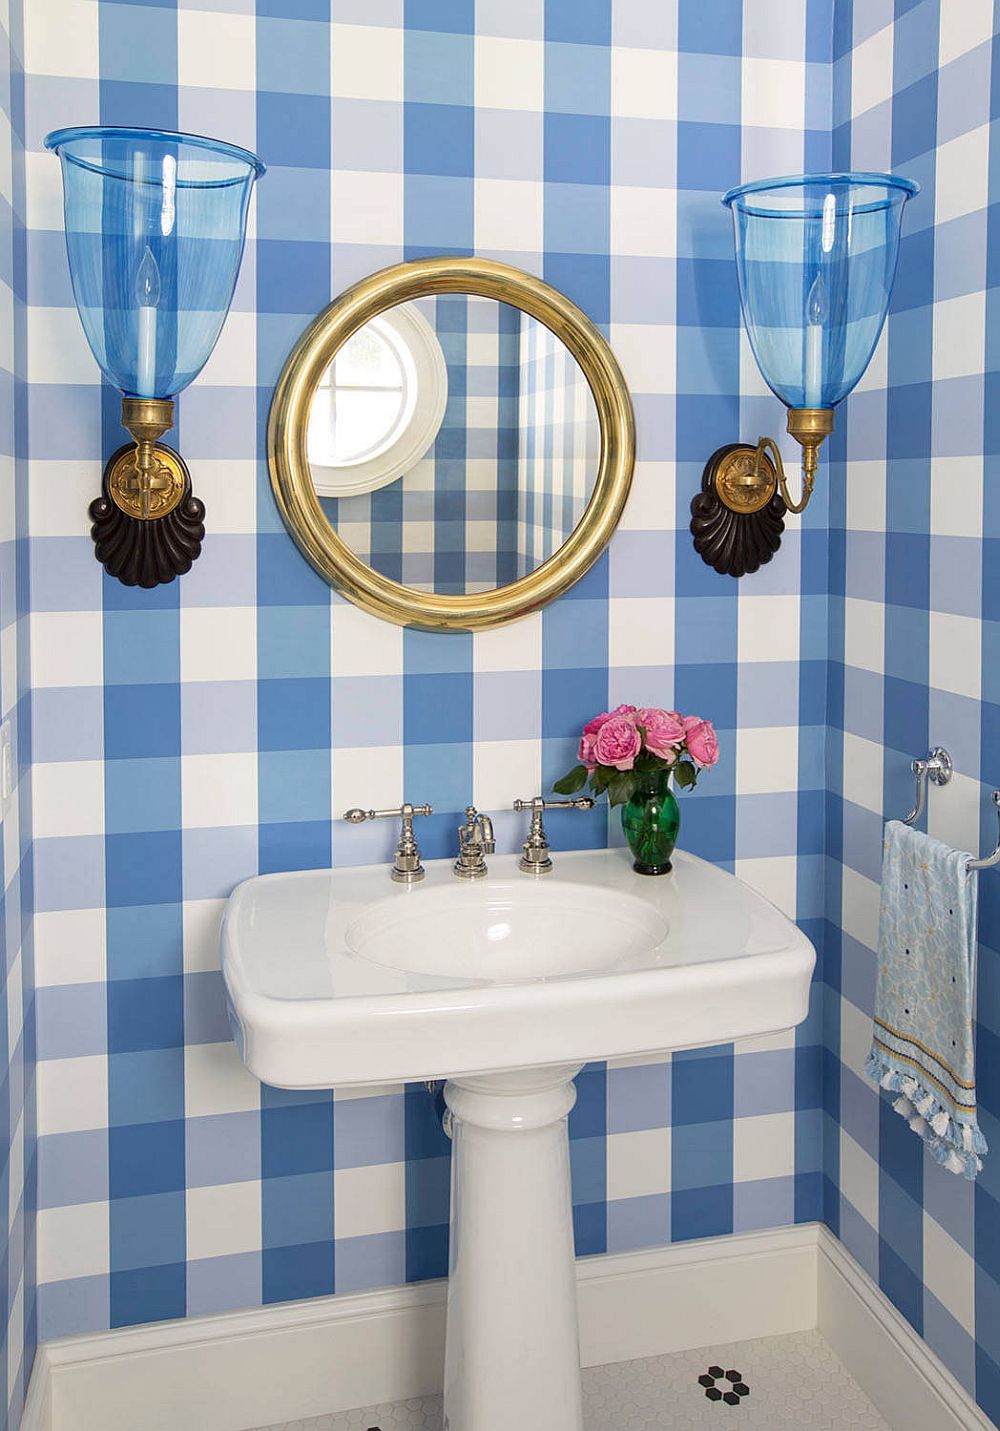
(507,476)
(379,405)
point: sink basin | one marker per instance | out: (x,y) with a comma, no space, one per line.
(339,977)
(505,987)
(501,932)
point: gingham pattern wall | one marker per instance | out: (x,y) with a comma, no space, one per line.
(17,1055)
(915,601)
(188,737)
(449,524)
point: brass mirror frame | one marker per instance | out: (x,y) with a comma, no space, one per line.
(291,478)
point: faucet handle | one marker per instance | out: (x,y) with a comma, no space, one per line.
(405,812)
(582,802)
(535,858)
(406,867)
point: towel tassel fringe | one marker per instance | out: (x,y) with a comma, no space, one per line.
(956,1146)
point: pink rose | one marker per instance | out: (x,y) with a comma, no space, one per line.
(593,726)
(664,731)
(617,743)
(585,754)
(703,747)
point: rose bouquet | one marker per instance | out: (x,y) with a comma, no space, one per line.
(632,753)
(619,748)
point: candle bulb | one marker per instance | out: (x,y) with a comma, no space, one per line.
(814,363)
(816,308)
(147,292)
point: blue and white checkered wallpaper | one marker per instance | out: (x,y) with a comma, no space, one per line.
(17,1063)
(186,738)
(915,639)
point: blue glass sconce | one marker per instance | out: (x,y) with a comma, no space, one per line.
(155,226)
(816,258)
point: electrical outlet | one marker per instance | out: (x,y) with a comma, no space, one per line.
(7,774)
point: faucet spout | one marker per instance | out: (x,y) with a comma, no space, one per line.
(475,839)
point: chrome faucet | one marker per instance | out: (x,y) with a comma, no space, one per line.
(406,867)
(535,858)
(475,839)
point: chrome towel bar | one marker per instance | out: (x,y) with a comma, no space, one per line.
(937,766)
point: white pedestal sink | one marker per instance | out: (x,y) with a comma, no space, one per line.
(505,987)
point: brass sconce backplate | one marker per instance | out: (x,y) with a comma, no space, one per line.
(745,478)
(167,480)
(738,516)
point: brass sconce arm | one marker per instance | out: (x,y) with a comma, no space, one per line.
(767,448)
(745,486)
(810,426)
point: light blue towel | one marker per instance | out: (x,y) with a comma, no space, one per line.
(922,1046)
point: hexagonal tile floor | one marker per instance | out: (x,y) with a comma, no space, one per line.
(792,1383)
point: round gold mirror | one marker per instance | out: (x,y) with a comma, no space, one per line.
(451,443)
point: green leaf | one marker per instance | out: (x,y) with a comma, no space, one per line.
(599,779)
(572,781)
(620,787)
(685,774)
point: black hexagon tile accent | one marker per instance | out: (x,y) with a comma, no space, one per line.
(732,1389)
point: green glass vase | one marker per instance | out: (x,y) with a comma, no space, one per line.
(651,820)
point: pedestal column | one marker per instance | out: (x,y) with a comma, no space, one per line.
(512,1361)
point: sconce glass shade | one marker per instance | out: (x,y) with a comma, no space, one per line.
(155,225)
(816,256)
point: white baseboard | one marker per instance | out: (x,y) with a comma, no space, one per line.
(37,1413)
(895,1368)
(248,1369)
(691,1294)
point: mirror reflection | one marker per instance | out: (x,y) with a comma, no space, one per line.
(453,443)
